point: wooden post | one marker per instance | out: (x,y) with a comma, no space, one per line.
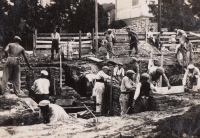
(146,30)
(34,42)
(161,62)
(93,45)
(111,95)
(60,70)
(79,44)
(96,27)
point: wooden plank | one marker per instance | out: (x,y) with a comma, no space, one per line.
(173,90)
(169,45)
(46,37)
(63,42)
(95,59)
(195,34)
(73,46)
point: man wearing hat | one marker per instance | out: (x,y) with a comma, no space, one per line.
(136,68)
(52,113)
(127,92)
(109,38)
(191,76)
(155,72)
(119,72)
(11,70)
(133,41)
(41,87)
(99,87)
(141,97)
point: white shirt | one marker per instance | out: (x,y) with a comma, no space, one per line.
(55,36)
(150,34)
(126,84)
(119,72)
(41,86)
(103,75)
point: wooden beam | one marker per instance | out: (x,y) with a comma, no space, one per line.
(173,90)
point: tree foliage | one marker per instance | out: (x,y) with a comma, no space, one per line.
(118,24)
(175,14)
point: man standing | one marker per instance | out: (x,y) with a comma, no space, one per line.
(191,77)
(133,41)
(141,97)
(11,70)
(136,68)
(158,44)
(119,72)
(150,37)
(127,92)
(109,38)
(52,113)
(155,73)
(189,51)
(41,87)
(55,43)
(99,87)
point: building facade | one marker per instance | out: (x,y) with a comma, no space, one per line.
(135,13)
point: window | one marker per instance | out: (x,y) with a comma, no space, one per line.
(134,2)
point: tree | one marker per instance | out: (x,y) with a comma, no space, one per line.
(118,24)
(85,18)
(175,14)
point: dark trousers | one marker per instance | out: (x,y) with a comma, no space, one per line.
(54,47)
(141,105)
(40,97)
(132,45)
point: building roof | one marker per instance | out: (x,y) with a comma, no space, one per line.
(108,6)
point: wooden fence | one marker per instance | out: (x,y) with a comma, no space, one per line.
(83,45)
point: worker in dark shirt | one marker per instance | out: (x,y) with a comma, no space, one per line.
(141,97)
(133,41)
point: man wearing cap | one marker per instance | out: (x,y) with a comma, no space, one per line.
(109,38)
(119,72)
(141,97)
(136,68)
(127,92)
(133,41)
(52,113)
(11,70)
(99,86)
(150,36)
(155,72)
(41,87)
(191,77)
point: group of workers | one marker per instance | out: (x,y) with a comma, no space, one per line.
(135,88)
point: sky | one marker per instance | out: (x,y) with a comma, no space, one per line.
(106,1)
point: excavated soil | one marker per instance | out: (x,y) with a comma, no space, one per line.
(174,122)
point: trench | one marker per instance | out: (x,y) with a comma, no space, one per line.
(71,72)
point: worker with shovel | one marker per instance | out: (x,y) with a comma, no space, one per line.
(127,92)
(12,70)
(133,41)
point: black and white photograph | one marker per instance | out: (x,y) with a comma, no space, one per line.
(99,69)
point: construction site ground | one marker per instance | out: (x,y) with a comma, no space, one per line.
(174,121)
